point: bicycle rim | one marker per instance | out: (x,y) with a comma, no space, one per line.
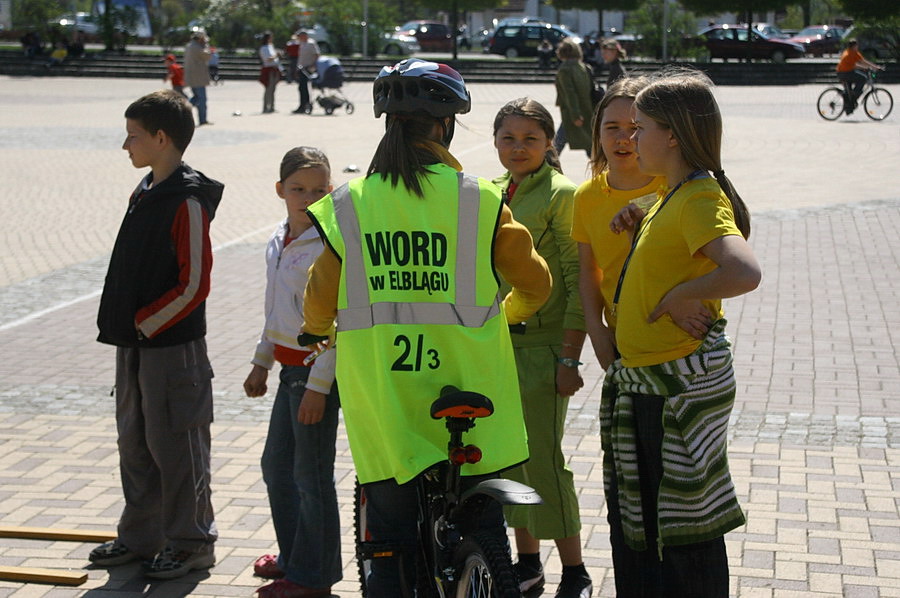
(831,103)
(485,569)
(878,103)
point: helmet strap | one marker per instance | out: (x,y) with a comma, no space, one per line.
(448,125)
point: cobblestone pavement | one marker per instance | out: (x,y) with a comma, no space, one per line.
(815,436)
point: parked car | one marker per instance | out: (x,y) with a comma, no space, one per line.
(524,39)
(730,41)
(431,35)
(79,21)
(393,43)
(873,46)
(477,40)
(770,31)
(819,40)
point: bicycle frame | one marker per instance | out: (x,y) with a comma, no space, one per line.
(448,512)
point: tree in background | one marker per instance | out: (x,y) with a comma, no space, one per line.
(647,22)
(599,6)
(877,21)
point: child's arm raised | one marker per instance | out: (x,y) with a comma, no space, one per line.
(738,272)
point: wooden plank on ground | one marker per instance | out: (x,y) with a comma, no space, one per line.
(51,533)
(39,575)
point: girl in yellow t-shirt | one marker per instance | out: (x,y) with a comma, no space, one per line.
(667,401)
(616,182)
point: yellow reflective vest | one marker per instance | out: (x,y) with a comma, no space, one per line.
(418,308)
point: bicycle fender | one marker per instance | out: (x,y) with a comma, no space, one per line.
(505,492)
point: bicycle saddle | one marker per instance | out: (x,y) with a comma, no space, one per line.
(460,403)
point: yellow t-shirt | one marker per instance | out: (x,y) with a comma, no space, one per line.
(595,205)
(667,255)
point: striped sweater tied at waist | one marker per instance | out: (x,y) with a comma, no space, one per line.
(697,500)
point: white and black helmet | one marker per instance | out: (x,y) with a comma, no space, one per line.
(414,85)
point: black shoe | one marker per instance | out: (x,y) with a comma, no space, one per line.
(531,580)
(575,586)
(111,554)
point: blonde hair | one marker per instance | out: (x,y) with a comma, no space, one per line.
(568,49)
(682,100)
(626,87)
(611,44)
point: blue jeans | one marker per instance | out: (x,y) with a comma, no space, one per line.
(391,513)
(298,469)
(199,100)
(692,571)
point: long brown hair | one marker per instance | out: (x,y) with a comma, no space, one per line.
(626,87)
(403,153)
(682,101)
(534,110)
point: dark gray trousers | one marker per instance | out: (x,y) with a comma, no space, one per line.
(163,416)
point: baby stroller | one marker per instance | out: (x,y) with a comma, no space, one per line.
(327,80)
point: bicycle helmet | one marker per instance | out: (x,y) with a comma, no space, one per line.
(415,85)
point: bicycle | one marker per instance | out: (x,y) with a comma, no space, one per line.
(453,557)
(877,102)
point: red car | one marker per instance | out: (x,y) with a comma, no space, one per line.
(730,41)
(819,40)
(432,36)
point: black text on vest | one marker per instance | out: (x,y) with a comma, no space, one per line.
(401,248)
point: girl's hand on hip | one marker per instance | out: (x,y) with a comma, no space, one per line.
(688,314)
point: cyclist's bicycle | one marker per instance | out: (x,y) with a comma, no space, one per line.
(877,102)
(453,556)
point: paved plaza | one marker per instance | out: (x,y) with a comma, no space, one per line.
(815,436)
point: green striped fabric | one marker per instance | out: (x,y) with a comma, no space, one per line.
(697,501)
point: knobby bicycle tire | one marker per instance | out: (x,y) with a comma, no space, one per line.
(485,568)
(831,103)
(878,103)
(359,535)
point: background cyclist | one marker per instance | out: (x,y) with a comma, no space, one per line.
(847,72)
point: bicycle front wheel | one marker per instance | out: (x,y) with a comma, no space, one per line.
(485,568)
(878,103)
(831,103)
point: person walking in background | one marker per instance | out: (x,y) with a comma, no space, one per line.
(847,72)
(415,189)
(153,310)
(573,96)
(612,53)
(292,53)
(213,65)
(665,405)
(196,72)
(307,56)
(547,355)
(174,74)
(269,72)
(298,459)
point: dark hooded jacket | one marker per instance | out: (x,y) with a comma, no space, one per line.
(144,266)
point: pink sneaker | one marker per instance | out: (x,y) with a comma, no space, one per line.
(267,567)
(282,588)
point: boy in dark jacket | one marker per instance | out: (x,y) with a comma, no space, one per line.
(153,310)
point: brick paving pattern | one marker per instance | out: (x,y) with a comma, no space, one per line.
(815,436)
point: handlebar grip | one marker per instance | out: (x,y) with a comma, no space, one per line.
(517,328)
(307,340)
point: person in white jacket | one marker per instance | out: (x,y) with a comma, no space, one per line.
(298,459)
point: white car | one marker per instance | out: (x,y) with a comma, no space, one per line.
(79,21)
(393,43)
